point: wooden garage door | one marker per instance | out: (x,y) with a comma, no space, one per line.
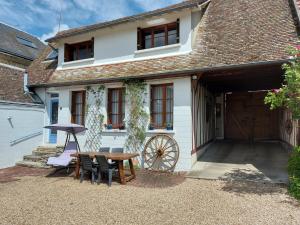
(248,118)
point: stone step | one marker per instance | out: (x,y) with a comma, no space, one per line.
(32,164)
(33,158)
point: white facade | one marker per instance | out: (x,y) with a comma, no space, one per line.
(118,43)
(182,127)
(20,131)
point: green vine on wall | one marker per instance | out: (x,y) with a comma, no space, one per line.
(94,116)
(137,120)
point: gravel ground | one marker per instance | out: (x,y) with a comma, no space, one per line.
(63,200)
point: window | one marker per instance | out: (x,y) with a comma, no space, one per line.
(82,50)
(78,107)
(116,107)
(52,55)
(26,42)
(162,105)
(158,36)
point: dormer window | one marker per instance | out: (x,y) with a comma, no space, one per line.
(78,51)
(158,36)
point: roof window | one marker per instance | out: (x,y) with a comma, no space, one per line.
(26,42)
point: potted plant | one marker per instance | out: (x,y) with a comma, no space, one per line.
(109,126)
(151,127)
(122,127)
(169,126)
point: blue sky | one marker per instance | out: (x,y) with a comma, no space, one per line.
(40,17)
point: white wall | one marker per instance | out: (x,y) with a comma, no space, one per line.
(24,120)
(182,118)
(119,43)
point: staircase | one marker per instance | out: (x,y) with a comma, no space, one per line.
(39,156)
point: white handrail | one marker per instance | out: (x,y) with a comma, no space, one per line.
(25,138)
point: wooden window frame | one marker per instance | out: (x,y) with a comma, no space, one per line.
(120,114)
(164,107)
(166,27)
(76,46)
(73,107)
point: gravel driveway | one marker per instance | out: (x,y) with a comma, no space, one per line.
(63,200)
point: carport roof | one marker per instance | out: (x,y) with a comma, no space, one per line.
(231,32)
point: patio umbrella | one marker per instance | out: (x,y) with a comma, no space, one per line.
(70,128)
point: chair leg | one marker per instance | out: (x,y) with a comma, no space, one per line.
(99,177)
(109,177)
(93,177)
(81,175)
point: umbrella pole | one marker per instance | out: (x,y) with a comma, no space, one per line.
(75,138)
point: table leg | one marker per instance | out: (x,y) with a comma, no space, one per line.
(121,172)
(132,169)
(77,168)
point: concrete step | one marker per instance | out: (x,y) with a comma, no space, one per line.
(33,158)
(32,164)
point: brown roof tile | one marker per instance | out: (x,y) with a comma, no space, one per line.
(231,32)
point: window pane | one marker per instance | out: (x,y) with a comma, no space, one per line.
(159,38)
(147,37)
(83,53)
(172,36)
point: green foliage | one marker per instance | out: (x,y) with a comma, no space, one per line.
(294,173)
(136,123)
(289,94)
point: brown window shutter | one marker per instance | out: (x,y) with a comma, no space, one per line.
(73,107)
(178,30)
(67,53)
(83,107)
(109,107)
(92,47)
(139,39)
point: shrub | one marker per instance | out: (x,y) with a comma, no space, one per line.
(294,173)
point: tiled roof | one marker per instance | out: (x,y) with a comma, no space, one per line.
(10,44)
(231,32)
(40,70)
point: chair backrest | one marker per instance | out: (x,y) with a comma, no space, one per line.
(117,150)
(103,163)
(86,162)
(104,149)
(72,145)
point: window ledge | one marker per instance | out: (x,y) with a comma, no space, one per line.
(78,61)
(106,131)
(160,131)
(157,48)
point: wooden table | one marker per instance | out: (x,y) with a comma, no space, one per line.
(119,157)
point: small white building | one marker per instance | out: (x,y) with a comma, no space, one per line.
(21,112)
(194,57)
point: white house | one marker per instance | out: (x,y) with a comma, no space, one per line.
(200,61)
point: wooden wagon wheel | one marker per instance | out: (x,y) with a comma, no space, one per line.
(161,153)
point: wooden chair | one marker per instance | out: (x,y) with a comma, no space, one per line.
(104,149)
(87,166)
(105,167)
(117,150)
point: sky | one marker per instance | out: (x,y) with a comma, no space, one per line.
(41,17)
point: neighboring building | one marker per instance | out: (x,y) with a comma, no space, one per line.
(22,113)
(205,64)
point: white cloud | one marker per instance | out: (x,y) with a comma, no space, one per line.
(54,31)
(148,5)
(41,17)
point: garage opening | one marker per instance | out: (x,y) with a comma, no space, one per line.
(235,134)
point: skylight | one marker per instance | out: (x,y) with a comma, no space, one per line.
(26,42)
(52,55)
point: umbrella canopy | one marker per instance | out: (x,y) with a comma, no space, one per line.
(69,127)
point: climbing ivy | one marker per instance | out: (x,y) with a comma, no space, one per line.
(137,120)
(94,116)
(288,96)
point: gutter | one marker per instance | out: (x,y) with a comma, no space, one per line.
(181,73)
(297,12)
